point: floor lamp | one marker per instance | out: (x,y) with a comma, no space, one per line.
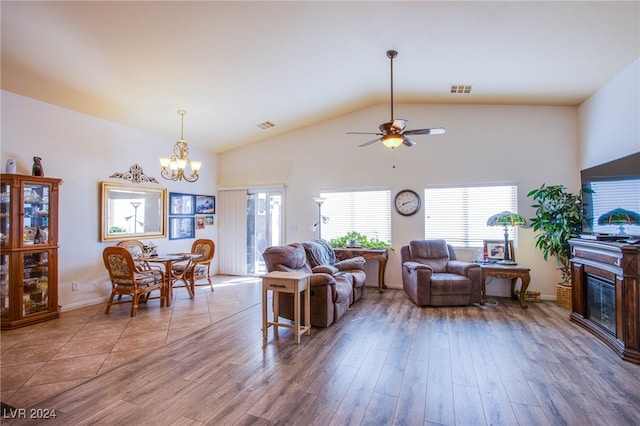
(321,219)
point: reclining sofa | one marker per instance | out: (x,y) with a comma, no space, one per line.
(335,285)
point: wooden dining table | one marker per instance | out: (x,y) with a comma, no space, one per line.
(167,260)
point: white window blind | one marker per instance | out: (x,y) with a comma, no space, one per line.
(459,214)
(367,212)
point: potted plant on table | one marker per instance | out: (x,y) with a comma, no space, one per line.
(558,218)
(356,239)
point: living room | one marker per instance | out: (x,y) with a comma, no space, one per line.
(525,144)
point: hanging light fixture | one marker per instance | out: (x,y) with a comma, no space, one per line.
(174,168)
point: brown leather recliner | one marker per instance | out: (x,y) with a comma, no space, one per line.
(432,276)
(331,293)
(320,253)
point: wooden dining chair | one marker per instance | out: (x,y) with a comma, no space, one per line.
(136,248)
(200,267)
(127,279)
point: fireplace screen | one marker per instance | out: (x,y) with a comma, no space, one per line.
(601,302)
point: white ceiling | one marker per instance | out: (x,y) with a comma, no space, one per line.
(233,65)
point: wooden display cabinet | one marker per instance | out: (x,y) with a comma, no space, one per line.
(29,242)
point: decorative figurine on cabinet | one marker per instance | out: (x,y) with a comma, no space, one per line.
(11,166)
(37,167)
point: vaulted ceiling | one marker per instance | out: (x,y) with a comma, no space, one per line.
(235,65)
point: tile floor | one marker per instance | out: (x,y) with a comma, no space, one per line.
(41,360)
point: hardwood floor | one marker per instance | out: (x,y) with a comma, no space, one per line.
(385,362)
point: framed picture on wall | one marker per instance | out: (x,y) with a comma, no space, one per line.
(182,227)
(200,222)
(205,204)
(495,249)
(181,203)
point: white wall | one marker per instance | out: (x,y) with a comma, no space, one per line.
(610,120)
(524,145)
(83,151)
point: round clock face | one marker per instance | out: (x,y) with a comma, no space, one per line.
(407,202)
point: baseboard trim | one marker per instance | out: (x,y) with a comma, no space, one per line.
(83,304)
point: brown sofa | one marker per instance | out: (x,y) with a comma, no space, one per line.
(432,276)
(334,285)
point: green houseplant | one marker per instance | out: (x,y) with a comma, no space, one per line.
(356,239)
(558,218)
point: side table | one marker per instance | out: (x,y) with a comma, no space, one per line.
(510,272)
(295,283)
(380,255)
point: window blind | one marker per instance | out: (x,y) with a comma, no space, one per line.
(459,214)
(367,212)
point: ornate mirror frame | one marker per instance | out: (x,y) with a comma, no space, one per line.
(132,212)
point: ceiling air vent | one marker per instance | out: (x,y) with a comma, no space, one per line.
(460,88)
(266,125)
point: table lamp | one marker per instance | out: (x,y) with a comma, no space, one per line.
(619,217)
(506,219)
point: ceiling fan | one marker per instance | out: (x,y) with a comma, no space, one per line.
(392,133)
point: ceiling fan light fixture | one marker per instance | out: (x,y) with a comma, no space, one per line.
(392,133)
(392,141)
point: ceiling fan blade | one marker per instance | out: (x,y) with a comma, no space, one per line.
(434,131)
(370,142)
(364,133)
(408,142)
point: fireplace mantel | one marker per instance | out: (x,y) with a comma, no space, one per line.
(619,264)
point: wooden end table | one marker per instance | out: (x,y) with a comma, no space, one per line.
(287,282)
(380,255)
(510,272)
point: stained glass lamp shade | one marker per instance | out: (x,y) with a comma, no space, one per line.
(506,219)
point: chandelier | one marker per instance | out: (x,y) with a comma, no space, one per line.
(174,168)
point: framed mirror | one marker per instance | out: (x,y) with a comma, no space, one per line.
(131,212)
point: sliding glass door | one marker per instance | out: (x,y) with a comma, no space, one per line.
(264,226)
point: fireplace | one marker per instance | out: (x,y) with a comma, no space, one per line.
(605,277)
(601,302)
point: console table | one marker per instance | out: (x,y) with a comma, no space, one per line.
(510,272)
(605,296)
(381,255)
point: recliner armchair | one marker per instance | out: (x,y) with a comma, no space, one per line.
(432,275)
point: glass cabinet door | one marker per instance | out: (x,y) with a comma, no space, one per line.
(5,214)
(36,213)
(4,285)
(35,282)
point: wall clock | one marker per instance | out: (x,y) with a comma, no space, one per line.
(407,202)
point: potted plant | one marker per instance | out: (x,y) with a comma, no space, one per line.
(558,218)
(356,239)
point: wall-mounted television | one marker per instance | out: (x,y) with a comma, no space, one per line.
(612,187)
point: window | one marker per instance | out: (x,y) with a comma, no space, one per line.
(459,214)
(367,212)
